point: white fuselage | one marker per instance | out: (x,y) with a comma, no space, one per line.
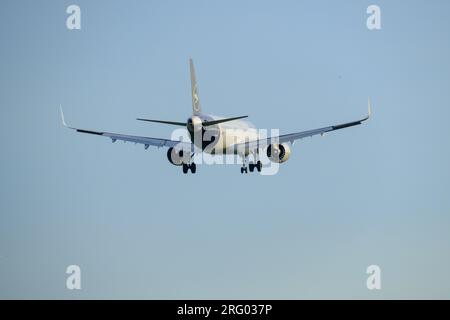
(226,135)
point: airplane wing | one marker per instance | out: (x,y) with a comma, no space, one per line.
(146,141)
(291,137)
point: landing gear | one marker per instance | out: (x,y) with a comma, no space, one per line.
(191,166)
(244,165)
(252,165)
(257,165)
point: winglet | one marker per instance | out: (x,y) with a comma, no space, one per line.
(369,110)
(62,117)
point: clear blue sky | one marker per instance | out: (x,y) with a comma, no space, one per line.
(139,228)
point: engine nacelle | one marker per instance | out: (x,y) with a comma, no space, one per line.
(175,156)
(278,153)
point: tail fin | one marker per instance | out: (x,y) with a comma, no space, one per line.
(196,108)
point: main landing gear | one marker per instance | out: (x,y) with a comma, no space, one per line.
(191,166)
(252,166)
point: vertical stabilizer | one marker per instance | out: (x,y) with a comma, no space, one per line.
(196,108)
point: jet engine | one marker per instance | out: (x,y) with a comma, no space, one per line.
(278,152)
(175,156)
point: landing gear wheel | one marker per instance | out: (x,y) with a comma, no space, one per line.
(258,166)
(193,167)
(243,169)
(185,168)
(251,166)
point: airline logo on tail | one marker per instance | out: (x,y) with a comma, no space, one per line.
(196,99)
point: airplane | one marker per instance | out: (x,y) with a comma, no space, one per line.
(219,136)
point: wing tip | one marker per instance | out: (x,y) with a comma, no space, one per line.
(62,116)
(369,110)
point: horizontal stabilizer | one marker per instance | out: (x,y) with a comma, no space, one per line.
(211,123)
(174,123)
